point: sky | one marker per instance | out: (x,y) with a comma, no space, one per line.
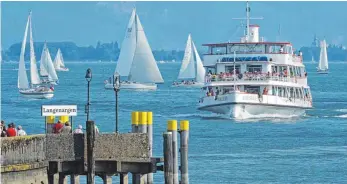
(167,24)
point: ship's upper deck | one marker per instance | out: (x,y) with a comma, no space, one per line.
(249,48)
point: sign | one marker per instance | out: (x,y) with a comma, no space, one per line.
(59,110)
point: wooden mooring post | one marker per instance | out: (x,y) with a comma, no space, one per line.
(168,158)
(90,152)
(142,128)
(150,141)
(184,137)
(172,127)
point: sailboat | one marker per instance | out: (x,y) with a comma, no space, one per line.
(136,60)
(323,60)
(35,89)
(312,60)
(59,62)
(47,70)
(191,60)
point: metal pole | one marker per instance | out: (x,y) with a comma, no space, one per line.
(184,132)
(116,90)
(88,101)
(168,158)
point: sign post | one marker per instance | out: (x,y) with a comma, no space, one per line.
(51,111)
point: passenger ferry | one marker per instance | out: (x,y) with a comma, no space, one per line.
(254,78)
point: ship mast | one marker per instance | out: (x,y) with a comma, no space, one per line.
(248,18)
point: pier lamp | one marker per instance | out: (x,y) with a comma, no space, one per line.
(88,78)
(116,87)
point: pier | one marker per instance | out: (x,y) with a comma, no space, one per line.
(50,158)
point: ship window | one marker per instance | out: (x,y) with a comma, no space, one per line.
(254,68)
(280,91)
(252,89)
(274,90)
(230,69)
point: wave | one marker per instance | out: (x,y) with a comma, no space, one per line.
(341,116)
(341,110)
(196,115)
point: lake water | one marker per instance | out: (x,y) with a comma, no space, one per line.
(310,149)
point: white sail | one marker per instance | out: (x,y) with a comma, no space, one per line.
(34,75)
(187,70)
(127,52)
(323,59)
(58,60)
(62,64)
(23,82)
(144,68)
(43,71)
(48,64)
(200,70)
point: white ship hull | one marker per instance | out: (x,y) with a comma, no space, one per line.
(133,86)
(34,94)
(243,106)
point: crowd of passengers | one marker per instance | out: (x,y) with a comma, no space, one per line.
(247,75)
(218,91)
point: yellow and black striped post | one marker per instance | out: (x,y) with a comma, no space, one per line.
(172,127)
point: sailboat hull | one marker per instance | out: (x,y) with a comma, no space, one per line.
(62,69)
(195,85)
(35,94)
(133,86)
(322,71)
